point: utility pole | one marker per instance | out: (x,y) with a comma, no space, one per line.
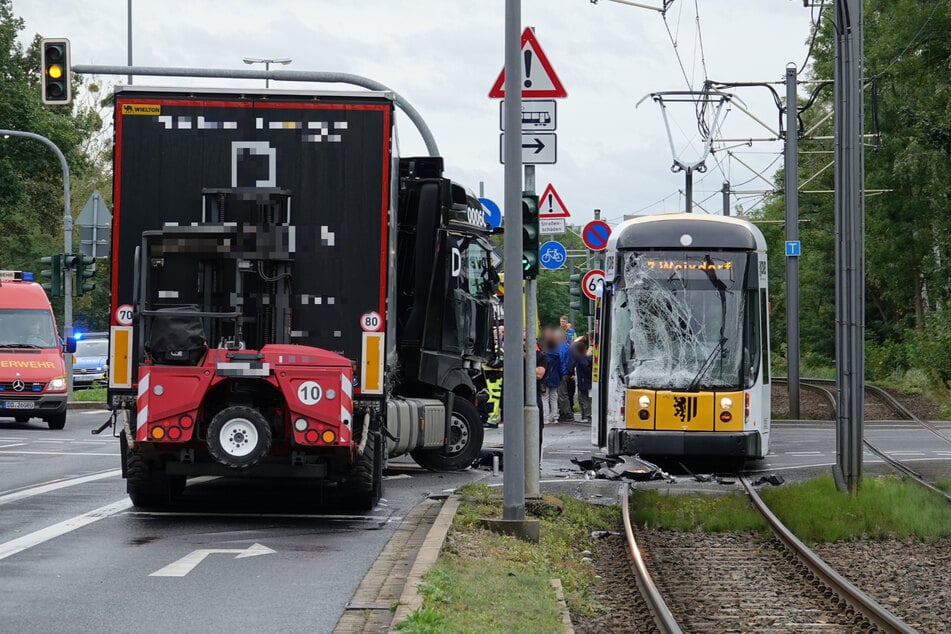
(850,243)
(725,190)
(531,415)
(513,371)
(791,155)
(67,248)
(129,33)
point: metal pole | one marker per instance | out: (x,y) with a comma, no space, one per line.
(129,32)
(513,438)
(688,173)
(791,155)
(279,75)
(532,426)
(267,67)
(850,243)
(725,190)
(67,248)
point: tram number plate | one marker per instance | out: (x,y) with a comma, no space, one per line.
(18,404)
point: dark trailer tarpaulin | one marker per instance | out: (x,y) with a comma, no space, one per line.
(332,153)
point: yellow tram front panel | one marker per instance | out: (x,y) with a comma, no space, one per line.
(684,411)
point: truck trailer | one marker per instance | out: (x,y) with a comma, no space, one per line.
(290,298)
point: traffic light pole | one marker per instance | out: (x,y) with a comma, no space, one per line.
(513,437)
(531,417)
(67,246)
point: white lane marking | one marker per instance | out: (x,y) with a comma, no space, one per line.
(59,453)
(56,485)
(16,444)
(9,438)
(803,453)
(187,563)
(36,538)
(907,453)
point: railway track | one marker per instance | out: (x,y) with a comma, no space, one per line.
(819,385)
(714,583)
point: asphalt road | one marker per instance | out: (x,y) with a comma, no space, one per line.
(75,556)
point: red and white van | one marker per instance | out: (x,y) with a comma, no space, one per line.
(32,372)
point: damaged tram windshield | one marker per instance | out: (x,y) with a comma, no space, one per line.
(685,320)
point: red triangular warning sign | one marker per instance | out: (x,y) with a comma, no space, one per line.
(538,77)
(550,204)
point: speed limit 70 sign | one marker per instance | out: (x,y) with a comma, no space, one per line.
(590,282)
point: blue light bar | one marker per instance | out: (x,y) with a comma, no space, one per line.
(27,276)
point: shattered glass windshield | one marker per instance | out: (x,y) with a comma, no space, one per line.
(677,320)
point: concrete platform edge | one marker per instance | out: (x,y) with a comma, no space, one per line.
(411,600)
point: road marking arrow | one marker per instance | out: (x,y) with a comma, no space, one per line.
(187,563)
(538,145)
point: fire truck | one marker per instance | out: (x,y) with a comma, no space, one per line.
(290,298)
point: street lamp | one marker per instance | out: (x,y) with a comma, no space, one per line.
(267,64)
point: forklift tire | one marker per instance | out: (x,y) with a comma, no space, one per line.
(239,436)
(57,421)
(465,440)
(146,485)
(364,485)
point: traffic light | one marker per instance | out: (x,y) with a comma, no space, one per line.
(54,274)
(84,271)
(54,64)
(529,235)
(578,300)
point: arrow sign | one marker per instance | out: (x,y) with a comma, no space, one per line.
(551,205)
(538,77)
(187,563)
(538,148)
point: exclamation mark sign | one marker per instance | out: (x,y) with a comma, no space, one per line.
(528,69)
(551,203)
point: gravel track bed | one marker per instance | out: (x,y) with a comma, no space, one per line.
(909,578)
(739,582)
(814,406)
(624,610)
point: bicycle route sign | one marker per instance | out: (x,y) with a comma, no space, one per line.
(590,283)
(552,255)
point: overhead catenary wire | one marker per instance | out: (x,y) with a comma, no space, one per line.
(817,18)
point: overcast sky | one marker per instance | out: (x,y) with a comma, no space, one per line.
(444,55)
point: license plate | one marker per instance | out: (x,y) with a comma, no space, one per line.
(18,404)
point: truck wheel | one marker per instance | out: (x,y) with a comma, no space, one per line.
(364,485)
(147,485)
(465,440)
(57,421)
(238,437)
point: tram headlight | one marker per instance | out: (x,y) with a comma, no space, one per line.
(726,403)
(644,402)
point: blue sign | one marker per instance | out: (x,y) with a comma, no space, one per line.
(552,255)
(793,248)
(493,215)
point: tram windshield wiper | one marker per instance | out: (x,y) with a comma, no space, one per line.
(707,364)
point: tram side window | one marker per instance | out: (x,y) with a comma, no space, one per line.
(752,346)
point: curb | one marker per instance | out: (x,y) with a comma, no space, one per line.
(565,614)
(86,405)
(411,599)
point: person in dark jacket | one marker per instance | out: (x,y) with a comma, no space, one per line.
(551,381)
(567,370)
(583,364)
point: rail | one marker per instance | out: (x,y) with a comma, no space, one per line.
(861,602)
(663,618)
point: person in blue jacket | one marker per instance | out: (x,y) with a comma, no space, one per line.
(583,365)
(567,370)
(551,382)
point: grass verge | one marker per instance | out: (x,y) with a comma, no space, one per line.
(884,507)
(485,582)
(944,484)
(712,514)
(92,394)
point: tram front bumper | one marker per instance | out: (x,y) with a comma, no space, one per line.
(628,442)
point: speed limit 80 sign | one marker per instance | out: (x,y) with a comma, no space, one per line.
(590,282)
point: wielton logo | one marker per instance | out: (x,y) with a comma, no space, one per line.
(152,109)
(685,408)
